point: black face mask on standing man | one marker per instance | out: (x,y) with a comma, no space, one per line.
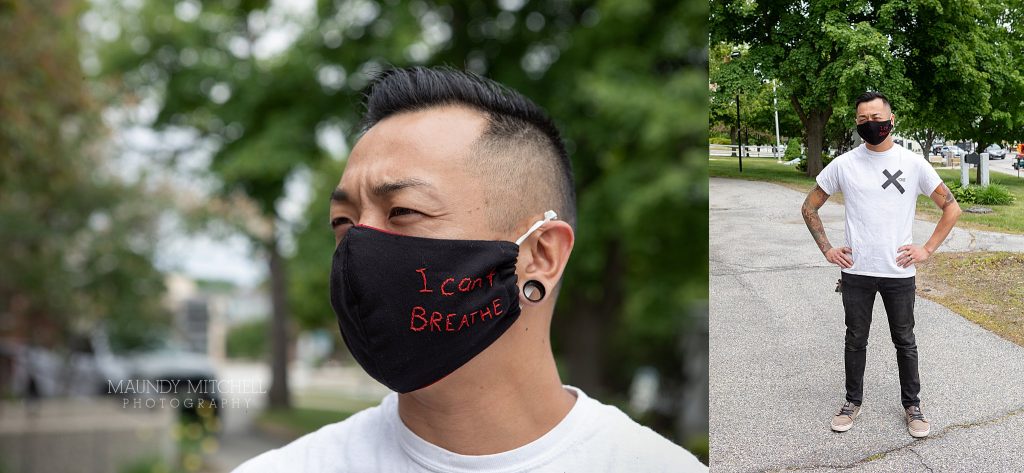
(413,310)
(875,132)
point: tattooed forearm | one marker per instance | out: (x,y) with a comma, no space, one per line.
(813,220)
(948,198)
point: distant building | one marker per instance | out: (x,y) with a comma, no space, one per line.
(205,310)
(907,143)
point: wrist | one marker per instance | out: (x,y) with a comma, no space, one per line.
(929,250)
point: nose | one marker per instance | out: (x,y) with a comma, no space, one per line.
(376,218)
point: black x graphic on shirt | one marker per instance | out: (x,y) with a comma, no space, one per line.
(892,180)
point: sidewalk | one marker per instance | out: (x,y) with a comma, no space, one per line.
(776,334)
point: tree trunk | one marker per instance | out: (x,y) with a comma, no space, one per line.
(279,394)
(815,129)
(926,145)
(843,142)
(814,122)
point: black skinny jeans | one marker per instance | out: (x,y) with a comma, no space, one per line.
(858,300)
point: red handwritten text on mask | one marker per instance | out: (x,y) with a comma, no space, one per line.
(450,285)
(452,322)
(422,319)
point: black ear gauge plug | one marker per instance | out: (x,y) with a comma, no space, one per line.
(534,291)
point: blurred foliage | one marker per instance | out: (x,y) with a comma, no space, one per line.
(78,240)
(248,340)
(625,80)
(951,69)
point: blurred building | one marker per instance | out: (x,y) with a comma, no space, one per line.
(204,311)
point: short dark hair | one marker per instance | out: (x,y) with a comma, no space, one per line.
(514,123)
(869,96)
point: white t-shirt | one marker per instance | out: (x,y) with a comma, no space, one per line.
(880,192)
(592,437)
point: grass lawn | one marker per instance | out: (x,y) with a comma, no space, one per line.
(298,421)
(985,288)
(1004,218)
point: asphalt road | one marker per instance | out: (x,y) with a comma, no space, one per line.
(1004,165)
(776,335)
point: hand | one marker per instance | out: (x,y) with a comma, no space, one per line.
(840,256)
(911,254)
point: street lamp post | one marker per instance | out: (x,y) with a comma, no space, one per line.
(739,131)
(778,140)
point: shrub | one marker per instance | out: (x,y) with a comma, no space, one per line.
(718,140)
(792,150)
(802,165)
(993,194)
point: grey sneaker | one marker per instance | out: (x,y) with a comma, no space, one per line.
(842,421)
(917,425)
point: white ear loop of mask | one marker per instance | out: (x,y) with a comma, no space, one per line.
(548,216)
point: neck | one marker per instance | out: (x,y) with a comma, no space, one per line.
(506,397)
(880,147)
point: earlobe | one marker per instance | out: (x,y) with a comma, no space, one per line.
(534,291)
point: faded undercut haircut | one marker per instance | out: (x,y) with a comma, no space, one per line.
(520,148)
(869,96)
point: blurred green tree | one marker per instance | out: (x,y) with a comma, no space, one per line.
(200,61)
(78,240)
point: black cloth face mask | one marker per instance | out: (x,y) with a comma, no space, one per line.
(413,310)
(875,132)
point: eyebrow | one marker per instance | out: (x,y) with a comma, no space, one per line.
(386,188)
(339,195)
(382,189)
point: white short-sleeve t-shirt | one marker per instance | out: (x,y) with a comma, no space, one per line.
(593,437)
(880,192)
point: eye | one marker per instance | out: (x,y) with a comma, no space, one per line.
(339,221)
(400,211)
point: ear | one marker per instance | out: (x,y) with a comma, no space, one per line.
(543,256)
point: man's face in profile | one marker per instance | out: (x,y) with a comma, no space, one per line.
(409,175)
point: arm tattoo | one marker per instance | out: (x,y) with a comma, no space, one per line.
(949,199)
(813,221)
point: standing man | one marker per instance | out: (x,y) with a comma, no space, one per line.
(453,222)
(880,182)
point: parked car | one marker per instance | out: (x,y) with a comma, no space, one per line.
(956,150)
(995,152)
(88,366)
(84,368)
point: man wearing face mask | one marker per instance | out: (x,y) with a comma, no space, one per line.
(880,182)
(454,220)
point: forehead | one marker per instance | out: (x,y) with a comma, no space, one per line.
(872,107)
(428,144)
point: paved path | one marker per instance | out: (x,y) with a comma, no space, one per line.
(776,335)
(1004,166)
